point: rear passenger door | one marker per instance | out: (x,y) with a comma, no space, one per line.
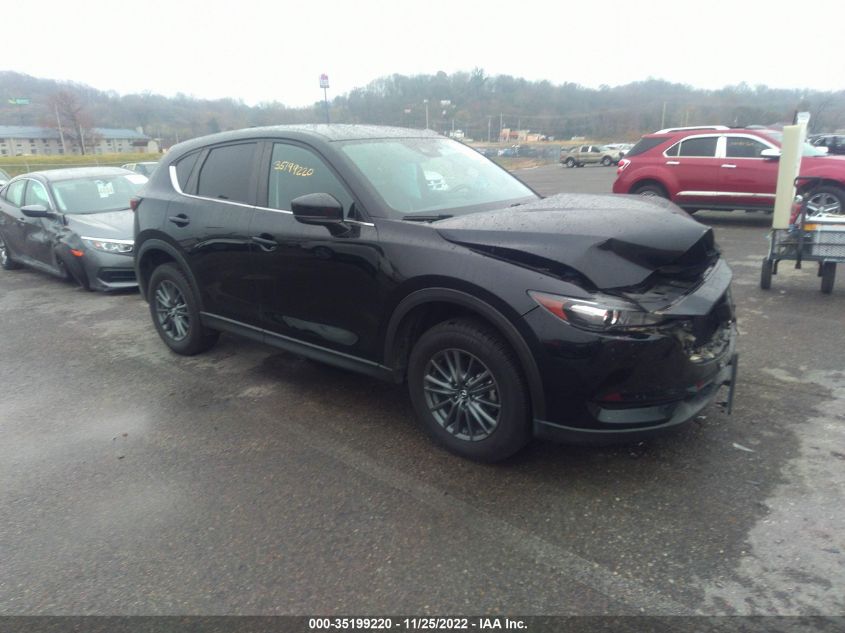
(314,286)
(210,221)
(693,163)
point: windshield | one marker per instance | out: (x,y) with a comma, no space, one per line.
(97,194)
(808,149)
(433,174)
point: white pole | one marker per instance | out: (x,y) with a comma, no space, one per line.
(61,134)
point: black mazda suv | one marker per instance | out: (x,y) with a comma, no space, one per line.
(577,317)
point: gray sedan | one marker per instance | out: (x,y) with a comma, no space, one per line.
(72,223)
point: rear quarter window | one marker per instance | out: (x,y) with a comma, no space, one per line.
(184,168)
(645,144)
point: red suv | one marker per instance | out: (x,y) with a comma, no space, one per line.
(725,168)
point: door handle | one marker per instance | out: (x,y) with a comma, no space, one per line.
(729,166)
(180,220)
(265,242)
(673,162)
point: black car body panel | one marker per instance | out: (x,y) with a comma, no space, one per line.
(359,293)
(613,241)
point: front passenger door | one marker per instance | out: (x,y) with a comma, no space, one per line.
(39,233)
(314,286)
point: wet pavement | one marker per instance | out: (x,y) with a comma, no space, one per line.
(250,481)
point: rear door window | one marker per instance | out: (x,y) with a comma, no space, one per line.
(703,146)
(227,174)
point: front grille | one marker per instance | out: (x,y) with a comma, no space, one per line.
(116,275)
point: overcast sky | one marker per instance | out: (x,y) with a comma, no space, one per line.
(276,50)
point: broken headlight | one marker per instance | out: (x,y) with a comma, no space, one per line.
(605,314)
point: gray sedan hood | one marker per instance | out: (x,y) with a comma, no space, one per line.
(606,240)
(116,225)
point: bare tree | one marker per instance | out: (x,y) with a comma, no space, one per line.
(70,119)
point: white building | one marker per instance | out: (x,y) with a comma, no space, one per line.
(25,140)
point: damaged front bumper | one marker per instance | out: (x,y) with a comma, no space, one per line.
(610,387)
(627,424)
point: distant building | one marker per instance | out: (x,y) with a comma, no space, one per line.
(521,136)
(25,140)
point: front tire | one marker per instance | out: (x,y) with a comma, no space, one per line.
(468,392)
(827,199)
(606,161)
(6,261)
(569,162)
(175,312)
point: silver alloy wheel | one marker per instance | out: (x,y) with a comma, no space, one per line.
(4,253)
(462,395)
(823,203)
(648,193)
(172,310)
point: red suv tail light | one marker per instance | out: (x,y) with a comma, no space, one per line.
(134,202)
(623,163)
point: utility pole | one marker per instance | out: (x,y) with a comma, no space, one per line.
(663,117)
(425,101)
(501,126)
(61,133)
(489,122)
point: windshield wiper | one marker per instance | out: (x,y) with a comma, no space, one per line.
(426,218)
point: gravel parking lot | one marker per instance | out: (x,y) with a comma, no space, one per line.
(250,481)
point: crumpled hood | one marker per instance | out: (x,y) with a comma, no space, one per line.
(116,225)
(612,241)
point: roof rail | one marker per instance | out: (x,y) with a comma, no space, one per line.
(692,127)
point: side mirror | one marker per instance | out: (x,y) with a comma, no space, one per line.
(770,153)
(317,208)
(37,211)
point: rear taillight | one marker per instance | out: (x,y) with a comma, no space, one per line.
(134,202)
(623,163)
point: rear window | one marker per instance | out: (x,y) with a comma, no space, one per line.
(702,147)
(644,144)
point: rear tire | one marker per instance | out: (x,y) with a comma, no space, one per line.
(175,312)
(468,392)
(651,190)
(6,261)
(828,277)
